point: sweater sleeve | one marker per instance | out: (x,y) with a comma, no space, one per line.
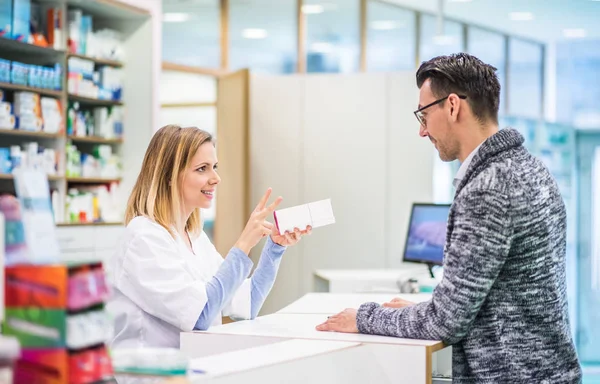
(479,245)
(223,285)
(264,275)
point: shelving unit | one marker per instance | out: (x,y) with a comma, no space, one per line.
(91,180)
(88,224)
(94,140)
(41,91)
(32,134)
(94,102)
(5,176)
(111,63)
(136,23)
(17,47)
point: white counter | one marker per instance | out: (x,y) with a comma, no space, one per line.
(300,361)
(332,303)
(292,361)
(367,280)
(411,360)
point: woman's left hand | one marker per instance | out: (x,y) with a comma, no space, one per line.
(289,238)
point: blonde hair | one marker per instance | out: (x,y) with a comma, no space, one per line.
(156,193)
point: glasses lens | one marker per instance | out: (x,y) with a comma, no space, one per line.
(421,119)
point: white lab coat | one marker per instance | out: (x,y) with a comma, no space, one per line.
(159,286)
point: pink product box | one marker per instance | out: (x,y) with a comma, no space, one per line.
(87,288)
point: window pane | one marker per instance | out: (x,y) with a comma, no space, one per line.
(191,33)
(525,79)
(391,38)
(433,45)
(578,79)
(263,35)
(489,47)
(332,43)
(204,118)
(184,87)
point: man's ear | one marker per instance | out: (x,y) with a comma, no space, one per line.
(454,104)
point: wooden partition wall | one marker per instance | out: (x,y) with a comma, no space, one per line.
(233,205)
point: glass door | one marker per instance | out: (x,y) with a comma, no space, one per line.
(588,319)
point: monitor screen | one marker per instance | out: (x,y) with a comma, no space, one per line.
(426,233)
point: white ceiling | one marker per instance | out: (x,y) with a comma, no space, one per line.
(550,17)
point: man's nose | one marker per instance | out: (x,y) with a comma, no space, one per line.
(422,131)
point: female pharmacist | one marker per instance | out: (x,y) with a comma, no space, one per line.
(166,275)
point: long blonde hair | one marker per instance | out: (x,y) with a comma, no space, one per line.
(156,193)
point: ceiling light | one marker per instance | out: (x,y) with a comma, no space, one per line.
(254,33)
(574,33)
(521,16)
(175,17)
(312,9)
(386,25)
(321,47)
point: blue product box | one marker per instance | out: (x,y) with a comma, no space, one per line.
(32,76)
(19,73)
(57,83)
(5,164)
(6,18)
(21,17)
(4,72)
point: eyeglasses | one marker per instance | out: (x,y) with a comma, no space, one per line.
(419,112)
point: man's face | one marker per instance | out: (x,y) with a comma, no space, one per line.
(437,124)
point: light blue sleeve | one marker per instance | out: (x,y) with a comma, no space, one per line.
(221,288)
(264,275)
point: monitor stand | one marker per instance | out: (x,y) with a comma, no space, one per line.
(430,267)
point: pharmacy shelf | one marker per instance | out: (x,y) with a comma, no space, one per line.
(94,140)
(41,91)
(8,176)
(94,102)
(90,180)
(32,134)
(18,47)
(111,63)
(102,223)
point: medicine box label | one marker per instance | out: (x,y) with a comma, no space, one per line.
(316,214)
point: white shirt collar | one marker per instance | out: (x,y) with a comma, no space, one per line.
(462,170)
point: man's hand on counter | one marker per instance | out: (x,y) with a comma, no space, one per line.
(344,321)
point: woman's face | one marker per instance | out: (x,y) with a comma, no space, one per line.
(200,179)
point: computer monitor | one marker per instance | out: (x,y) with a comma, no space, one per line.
(426,235)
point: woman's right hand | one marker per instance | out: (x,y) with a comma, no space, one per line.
(257,226)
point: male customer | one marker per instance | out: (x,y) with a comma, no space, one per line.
(502,301)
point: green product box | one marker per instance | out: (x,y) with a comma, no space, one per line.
(36,327)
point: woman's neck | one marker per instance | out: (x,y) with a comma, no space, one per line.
(180,226)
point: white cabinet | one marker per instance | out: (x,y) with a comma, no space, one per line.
(88,243)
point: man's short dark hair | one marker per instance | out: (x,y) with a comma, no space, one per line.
(464,74)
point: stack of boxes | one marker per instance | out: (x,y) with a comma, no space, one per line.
(28,112)
(31,112)
(57,313)
(87,79)
(7,118)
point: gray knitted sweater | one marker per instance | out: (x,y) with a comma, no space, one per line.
(502,301)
